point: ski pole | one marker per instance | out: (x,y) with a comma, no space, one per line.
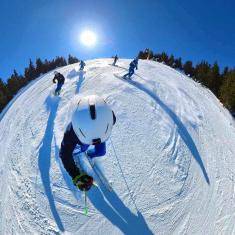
(86,207)
(123,175)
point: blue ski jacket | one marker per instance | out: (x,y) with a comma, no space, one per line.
(69,144)
(82,64)
(134,65)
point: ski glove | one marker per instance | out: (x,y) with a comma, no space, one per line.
(83,181)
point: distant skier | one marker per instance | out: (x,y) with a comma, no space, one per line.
(82,65)
(115,60)
(91,124)
(133,65)
(60,82)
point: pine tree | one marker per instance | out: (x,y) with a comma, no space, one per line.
(40,67)
(171,61)
(157,57)
(30,72)
(227,90)
(164,58)
(4,96)
(148,53)
(14,83)
(202,73)
(226,70)
(60,61)
(188,68)
(72,60)
(214,79)
(141,55)
(46,66)
(178,64)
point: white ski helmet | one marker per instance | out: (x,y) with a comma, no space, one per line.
(93,120)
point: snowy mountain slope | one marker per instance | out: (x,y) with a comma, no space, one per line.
(170,157)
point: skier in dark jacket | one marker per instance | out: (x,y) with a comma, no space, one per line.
(82,65)
(60,82)
(115,60)
(91,124)
(133,65)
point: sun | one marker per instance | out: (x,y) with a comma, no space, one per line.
(88,38)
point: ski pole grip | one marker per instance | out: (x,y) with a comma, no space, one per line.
(76,178)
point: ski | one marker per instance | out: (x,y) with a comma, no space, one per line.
(125,78)
(80,165)
(101,177)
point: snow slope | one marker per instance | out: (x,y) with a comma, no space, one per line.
(170,157)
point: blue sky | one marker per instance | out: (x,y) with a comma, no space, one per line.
(194,30)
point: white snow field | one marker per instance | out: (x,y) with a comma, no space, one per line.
(171,156)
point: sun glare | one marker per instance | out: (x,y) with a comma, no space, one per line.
(88,38)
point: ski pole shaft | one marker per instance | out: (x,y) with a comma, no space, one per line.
(86,207)
(123,175)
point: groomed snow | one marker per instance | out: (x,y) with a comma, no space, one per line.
(171,156)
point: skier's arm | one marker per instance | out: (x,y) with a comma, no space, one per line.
(66,152)
(62,78)
(98,151)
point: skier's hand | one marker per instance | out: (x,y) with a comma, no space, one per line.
(83,181)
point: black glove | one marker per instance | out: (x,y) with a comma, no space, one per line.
(83,181)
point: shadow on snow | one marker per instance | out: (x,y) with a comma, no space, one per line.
(44,160)
(81,79)
(67,178)
(182,130)
(112,207)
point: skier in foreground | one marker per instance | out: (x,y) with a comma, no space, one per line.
(92,124)
(60,82)
(82,65)
(115,60)
(133,65)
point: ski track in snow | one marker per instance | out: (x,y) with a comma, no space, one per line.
(170,157)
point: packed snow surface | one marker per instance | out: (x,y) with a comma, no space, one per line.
(171,156)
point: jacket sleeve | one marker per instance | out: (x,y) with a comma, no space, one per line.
(66,152)
(98,151)
(62,78)
(54,80)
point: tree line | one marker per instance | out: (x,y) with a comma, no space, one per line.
(16,81)
(221,83)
